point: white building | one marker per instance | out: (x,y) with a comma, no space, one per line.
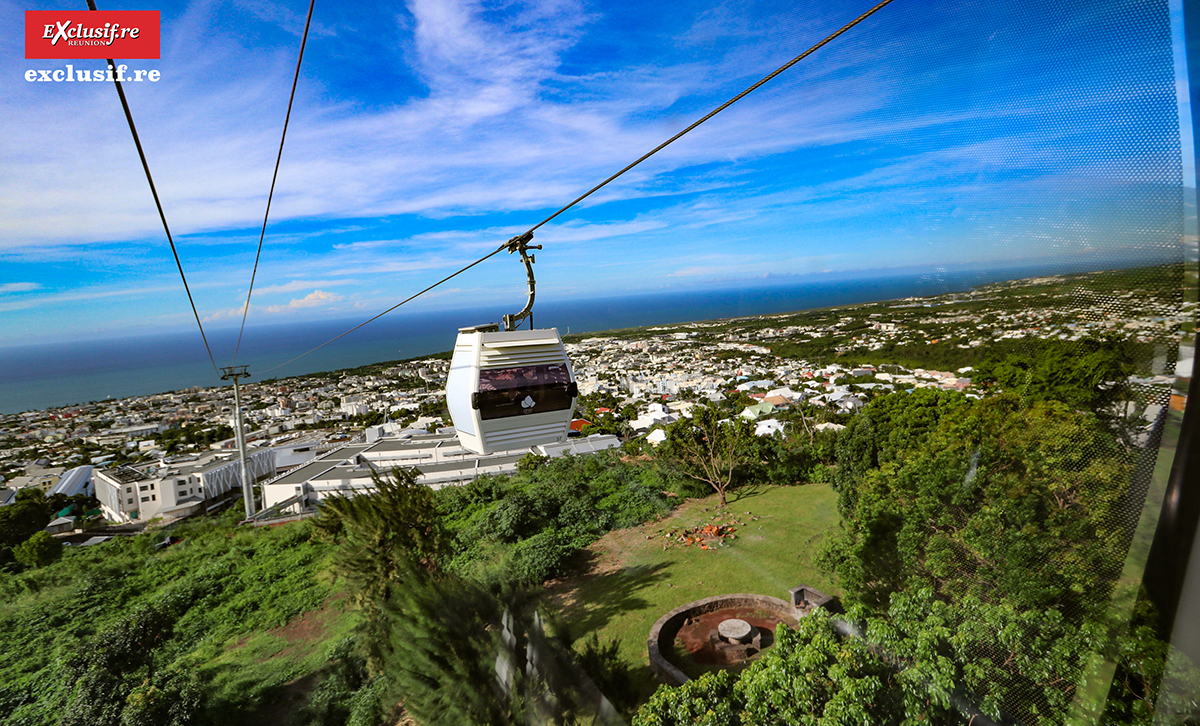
(439,458)
(768,427)
(656,414)
(177,487)
(74,481)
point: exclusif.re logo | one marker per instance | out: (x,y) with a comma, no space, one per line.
(91,34)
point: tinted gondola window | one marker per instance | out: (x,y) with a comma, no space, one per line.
(521,390)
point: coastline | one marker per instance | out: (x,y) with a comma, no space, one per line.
(51,376)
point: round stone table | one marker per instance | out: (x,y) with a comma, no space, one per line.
(735,630)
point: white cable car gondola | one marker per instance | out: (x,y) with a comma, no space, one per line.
(511,389)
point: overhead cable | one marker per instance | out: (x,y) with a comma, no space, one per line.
(718,110)
(529,233)
(414,296)
(157,203)
(271,194)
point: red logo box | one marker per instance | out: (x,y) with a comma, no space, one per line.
(91,34)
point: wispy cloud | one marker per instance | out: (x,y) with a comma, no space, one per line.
(501,127)
(82,295)
(19,287)
(424,136)
(295,285)
(235,313)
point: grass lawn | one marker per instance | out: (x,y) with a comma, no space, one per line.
(269,674)
(633,577)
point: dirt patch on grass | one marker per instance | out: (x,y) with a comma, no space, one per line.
(312,625)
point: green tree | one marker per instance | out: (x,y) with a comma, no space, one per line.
(543,556)
(175,700)
(889,425)
(116,674)
(812,676)
(714,699)
(985,556)
(39,550)
(1000,500)
(19,521)
(531,462)
(590,402)
(817,676)
(438,647)
(385,535)
(710,450)
(1007,662)
(606,425)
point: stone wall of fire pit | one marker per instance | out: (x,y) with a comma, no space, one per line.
(662,635)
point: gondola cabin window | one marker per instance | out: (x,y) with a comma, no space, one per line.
(523,390)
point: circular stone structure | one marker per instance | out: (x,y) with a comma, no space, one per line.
(702,625)
(735,630)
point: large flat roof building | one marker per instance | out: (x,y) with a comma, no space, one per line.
(439,459)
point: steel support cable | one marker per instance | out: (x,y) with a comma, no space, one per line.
(719,109)
(507,245)
(157,203)
(270,195)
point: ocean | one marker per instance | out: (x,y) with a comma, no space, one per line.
(62,374)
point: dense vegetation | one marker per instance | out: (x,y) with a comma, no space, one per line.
(436,575)
(130,633)
(979,548)
(26,516)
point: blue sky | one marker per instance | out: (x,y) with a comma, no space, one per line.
(958,133)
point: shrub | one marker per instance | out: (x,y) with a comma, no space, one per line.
(542,557)
(634,504)
(531,462)
(515,517)
(38,551)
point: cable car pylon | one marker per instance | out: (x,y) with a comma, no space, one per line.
(235,373)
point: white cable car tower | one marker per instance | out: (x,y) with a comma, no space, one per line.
(511,389)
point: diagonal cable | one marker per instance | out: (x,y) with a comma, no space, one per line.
(271,194)
(414,296)
(157,203)
(828,39)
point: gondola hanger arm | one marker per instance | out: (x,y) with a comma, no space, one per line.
(520,244)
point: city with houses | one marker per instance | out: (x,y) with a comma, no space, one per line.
(168,456)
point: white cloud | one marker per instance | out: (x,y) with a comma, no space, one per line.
(295,285)
(224,314)
(19,287)
(316,298)
(502,127)
(84,294)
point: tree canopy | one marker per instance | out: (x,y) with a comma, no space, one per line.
(709,449)
(385,535)
(1002,502)
(1089,374)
